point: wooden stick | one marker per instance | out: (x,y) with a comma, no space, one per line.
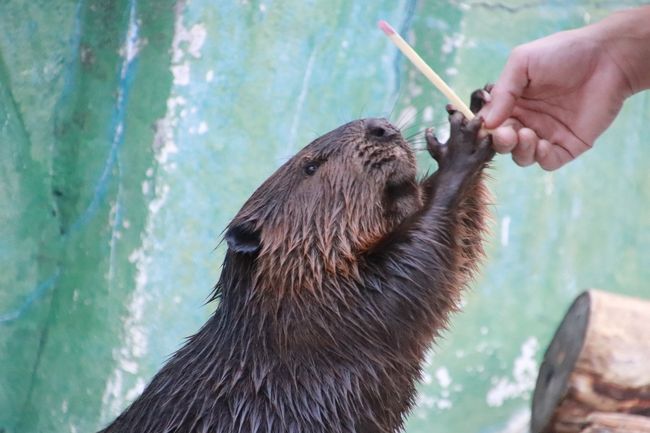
(425,69)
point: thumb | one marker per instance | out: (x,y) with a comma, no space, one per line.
(508,88)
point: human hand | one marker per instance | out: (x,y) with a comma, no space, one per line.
(555,96)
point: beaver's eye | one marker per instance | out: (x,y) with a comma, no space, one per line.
(310,168)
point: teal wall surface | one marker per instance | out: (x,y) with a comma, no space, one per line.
(131,131)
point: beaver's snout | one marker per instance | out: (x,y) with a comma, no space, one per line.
(380,130)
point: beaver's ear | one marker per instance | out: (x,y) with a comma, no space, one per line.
(243,238)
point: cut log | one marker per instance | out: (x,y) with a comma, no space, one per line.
(604,422)
(598,361)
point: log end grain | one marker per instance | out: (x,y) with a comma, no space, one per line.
(559,361)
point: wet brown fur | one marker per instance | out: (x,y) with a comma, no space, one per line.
(334,285)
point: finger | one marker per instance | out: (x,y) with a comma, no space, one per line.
(485,147)
(451,109)
(524,153)
(456,119)
(550,156)
(434,147)
(474,125)
(504,139)
(431,138)
(508,88)
(562,144)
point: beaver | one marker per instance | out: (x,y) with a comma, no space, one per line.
(340,271)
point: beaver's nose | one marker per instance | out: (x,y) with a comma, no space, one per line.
(380,130)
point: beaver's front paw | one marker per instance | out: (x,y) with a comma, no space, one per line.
(465,152)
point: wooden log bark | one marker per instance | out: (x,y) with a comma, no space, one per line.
(598,361)
(607,422)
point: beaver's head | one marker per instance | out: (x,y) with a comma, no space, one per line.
(331,202)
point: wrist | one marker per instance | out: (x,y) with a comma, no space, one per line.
(625,38)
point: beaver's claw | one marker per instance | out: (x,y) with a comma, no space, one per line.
(465,152)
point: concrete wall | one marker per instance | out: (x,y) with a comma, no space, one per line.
(131,131)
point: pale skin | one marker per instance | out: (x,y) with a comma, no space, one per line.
(557,95)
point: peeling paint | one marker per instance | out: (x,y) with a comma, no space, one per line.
(505,231)
(444,379)
(519,422)
(452,42)
(202,129)
(135,346)
(427,114)
(522,381)
(181,74)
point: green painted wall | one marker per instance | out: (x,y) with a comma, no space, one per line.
(132,130)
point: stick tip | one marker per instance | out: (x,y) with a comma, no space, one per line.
(386,28)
